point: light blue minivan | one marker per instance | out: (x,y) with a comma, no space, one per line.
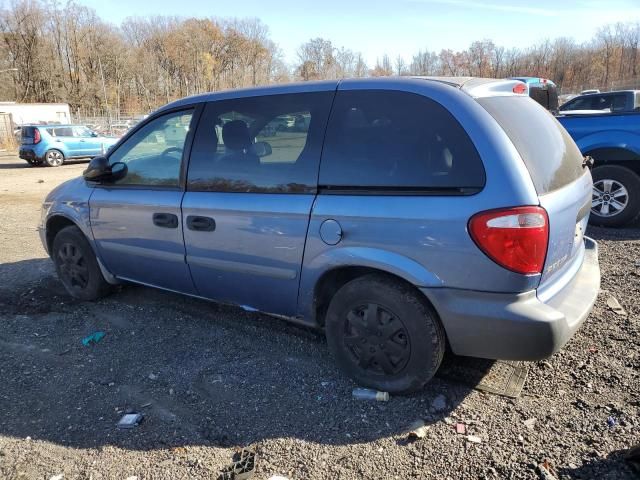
(51,145)
(403,216)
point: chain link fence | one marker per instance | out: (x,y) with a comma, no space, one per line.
(112,123)
(8,140)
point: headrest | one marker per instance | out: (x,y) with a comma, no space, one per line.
(235,135)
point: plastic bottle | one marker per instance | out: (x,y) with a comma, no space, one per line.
(368,394)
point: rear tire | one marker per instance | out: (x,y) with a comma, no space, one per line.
(77,266)
(384,335)
(54,158)
(616,193)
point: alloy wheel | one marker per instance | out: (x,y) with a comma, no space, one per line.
(609,198)
(54,158)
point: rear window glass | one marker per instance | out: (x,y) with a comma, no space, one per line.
(391,140)
(27,132)
(548,151)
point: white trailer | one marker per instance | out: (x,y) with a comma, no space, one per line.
(36,113)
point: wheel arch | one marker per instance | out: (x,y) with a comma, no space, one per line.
(54,225)
(58,221)
(62,150)
(335,278)
(621,156)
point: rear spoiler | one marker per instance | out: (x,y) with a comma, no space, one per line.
(485,87)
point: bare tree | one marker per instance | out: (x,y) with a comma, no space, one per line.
(65,52)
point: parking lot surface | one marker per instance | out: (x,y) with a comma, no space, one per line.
(210,379)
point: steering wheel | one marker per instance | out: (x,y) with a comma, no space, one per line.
(170,150)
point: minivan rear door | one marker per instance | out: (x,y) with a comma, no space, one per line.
(556,167)
(251,185)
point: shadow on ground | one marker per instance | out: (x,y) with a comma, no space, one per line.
(201,373)
(630,232)
(11,161)
(611,467)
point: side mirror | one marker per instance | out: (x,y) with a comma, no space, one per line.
(262,149)
(99,170)
(118,171)
(94,134)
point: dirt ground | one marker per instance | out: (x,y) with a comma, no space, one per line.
(210,379)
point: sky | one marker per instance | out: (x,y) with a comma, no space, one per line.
(396,27)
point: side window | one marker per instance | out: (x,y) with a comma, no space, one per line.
(396,140)
(619,103)
(154,153)
(585,103)
(61,132)
(602,102)
(268,144)
(81,131)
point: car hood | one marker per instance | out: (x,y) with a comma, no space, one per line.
(74,190)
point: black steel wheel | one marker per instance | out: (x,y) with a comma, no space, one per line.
(77,266)
(377,339)
(384,334)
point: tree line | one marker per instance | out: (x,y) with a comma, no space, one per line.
(54,52)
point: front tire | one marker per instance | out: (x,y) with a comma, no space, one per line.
(77,266)
(54,158)
(384,335)
(616,196)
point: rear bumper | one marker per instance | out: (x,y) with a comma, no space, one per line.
(28,154)
(518,326)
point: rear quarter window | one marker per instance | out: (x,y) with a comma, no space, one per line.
(548,151)
(393,140)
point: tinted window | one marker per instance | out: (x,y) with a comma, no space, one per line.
(583,103)
(260,144)
(396,140)
(618,103)
(60,132)
(602,102)
(550,154)
(153,154)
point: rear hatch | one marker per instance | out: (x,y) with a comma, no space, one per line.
(562,183)
(28,135)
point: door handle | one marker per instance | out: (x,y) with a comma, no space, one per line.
(201,224)
(165,220)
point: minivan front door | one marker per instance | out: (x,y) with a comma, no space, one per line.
(250,190)
(137,222)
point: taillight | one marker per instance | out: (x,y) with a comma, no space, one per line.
(519,88)
(515,238)
(36,135)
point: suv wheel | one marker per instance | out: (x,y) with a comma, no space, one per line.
(77,266)
(616,196)
(54,158)
(384,335)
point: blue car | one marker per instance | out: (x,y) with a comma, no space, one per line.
(53,144)
(612,140)
(403,216)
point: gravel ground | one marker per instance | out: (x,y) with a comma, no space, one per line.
(211,379)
